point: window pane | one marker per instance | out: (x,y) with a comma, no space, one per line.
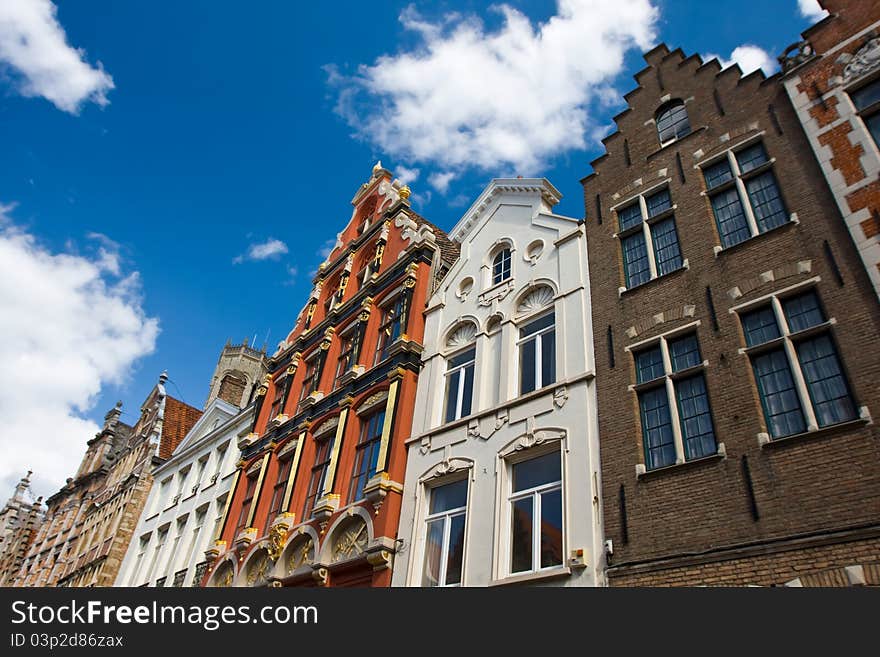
(751,157)
(551,528)
(732,225)
(759,326)
(462,358)
(527,366)
(452,385)
(548,358)
(766,202)
(717,174)
(456,549)
(449,496)
(667,254)
(696,419)
(629,216)
(782,408)
(649,364)
(824,377)
(657,428)
(541,323)
(537,472)
(501,266)
(468,392)
(867,95)
(635,260)
(659,202)
(872,122)
(684,352)
(803,311)
(521,544)
(673,123)
(433,553)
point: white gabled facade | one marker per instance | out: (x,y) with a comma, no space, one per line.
(187,502)
(502,483)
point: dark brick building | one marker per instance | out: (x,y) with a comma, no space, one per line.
(734,329)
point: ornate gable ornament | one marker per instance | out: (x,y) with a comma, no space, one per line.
(533,438)
(538,298)
(866,59)
(462,336)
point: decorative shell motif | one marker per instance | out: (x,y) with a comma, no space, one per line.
(463,335)
(537,298)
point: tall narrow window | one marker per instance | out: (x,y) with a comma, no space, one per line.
(797,370)
(460,384)
(672,122)
(744,195)
(648,238)
(537,353)
(250,487)
(536,527)
(346,349)
(276,504)
(867,102)
(444,539)
(323,454)
(501,266)
(367,456)
(674,406)
(160,543)
(309,382)
(389,328)
(278,400)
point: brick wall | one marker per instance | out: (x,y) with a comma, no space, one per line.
(826,481)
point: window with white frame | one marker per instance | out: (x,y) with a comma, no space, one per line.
(537,353)
(444,534)
(867,103)
(674,408)
(672,122)
(367,454)
(648,238)
(389,327)
(744,194)
(460,384)
(501,264)
(797,370)
(160,542)
(535,504)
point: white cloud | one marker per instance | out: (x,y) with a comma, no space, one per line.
(507,98)
(70,324)
(407,175)
(33,44)
(328,246)
(811,9)
(750,58)
(271,249)
(441,181)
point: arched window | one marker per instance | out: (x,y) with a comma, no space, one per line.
(460,372)
(672,122)
(501,266)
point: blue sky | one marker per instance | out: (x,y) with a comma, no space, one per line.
(226,126)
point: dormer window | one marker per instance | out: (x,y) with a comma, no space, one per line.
(501,266)
(672,122)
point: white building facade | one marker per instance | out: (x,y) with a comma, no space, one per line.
(187,502)
(503,474)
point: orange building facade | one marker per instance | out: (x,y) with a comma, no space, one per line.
(317,496)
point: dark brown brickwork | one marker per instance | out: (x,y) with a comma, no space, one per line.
(823,484)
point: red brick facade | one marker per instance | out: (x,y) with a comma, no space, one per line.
(755,510)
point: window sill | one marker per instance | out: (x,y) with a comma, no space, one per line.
(864,419)
(538,576)
(675,142)
(685,266)
(643,473)
(722,250)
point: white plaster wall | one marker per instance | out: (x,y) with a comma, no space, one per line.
(520,216)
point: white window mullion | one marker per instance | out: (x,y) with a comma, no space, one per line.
(536,531)
(677,438)
(646,231)
(794,365)
(459,400)
(538,361)
(444,551)
(743,194)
